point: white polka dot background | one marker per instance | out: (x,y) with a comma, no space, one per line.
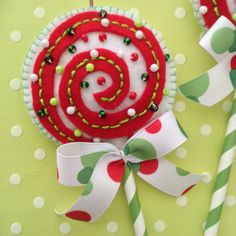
(28,163)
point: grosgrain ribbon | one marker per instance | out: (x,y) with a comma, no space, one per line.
(101,166)
(218,82)
(210,88)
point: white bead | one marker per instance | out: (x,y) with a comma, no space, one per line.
(154,67)
(70,110)
(94,53)
(131,112)
(203,10)
(105,22)
(139,34)
(96,140)
(45,43)
(33,77)
(120,54)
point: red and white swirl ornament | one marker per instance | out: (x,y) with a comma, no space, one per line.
(208,11)
(97,74)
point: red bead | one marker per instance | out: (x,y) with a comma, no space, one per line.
(101,80)
(84,37)
(132,95)
(102,37)
(134,56)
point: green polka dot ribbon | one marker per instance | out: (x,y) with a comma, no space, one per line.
(102,168)
(210,88)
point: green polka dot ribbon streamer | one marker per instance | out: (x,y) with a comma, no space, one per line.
(102,167)
(210,88)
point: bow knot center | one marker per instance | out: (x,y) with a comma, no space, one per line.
(122,154)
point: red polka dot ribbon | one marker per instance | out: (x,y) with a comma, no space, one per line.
(101,167)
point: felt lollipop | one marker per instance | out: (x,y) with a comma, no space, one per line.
(92,79)
(210,88)
(208,11)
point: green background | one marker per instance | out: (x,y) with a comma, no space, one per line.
(39,177)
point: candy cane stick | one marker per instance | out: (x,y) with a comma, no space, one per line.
(134,203)
(222,179)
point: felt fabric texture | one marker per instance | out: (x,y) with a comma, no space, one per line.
(216,9)
(115,124)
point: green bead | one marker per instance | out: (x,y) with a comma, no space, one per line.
(167,57)
(70,31)
(154,107)
(59,69)
(90,67)
(138,23)
(127,41)
(234,16)
(72,48)
(102,114)
(53,101)
(41,113)
(145,76)
(77,133)
(165,92)
(85,84)
(103,14)
(48,59)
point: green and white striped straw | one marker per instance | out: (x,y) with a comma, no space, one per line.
(134,203)
(222,179)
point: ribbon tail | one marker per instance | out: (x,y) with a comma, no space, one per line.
(167,177)
(100,190)
(212,86)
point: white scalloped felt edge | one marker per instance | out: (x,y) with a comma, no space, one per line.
(196,5)
(167,101)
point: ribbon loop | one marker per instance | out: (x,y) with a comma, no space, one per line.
(218,82)
(101,166)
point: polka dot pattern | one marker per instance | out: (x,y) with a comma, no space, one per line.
(160,226)
(39,12)
(15,36)
(112,227)
(16,228)
(154,128)
(206,130)
(65,228)
(15,84)
(38,202)
(180,12)
(79,215)
(180,106)
(181,152)
(115,170)
(182,201)
(15,179)
(39,154)
(16,131)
